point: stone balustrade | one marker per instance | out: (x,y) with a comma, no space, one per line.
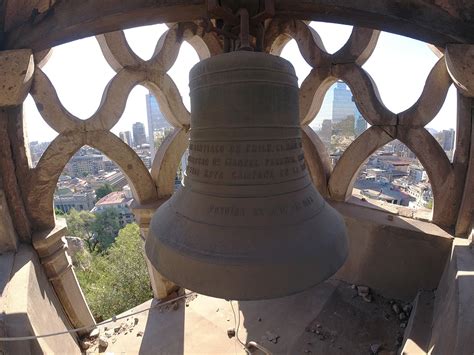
(51,246)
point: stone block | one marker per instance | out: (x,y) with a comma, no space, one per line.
(8,237)
(460,63)
(29,306)
(16,71)
(395,257)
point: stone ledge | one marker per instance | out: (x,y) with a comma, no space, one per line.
(396,257)
(31,307)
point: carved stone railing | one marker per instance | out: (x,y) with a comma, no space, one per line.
(452,183)
(52,250)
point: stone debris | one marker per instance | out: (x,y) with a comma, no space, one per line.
(94,333)
(272,337)
(367,298)
(396,308)
(363,291)
(231,333)
(139,334)
(135,321)
(407,309)
(375,348)
(103,343)
(108,334)
(403,325)
(85,344)
(402,316)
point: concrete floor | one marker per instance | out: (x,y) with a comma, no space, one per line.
(327,319)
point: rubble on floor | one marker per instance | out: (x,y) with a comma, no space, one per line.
(332,318)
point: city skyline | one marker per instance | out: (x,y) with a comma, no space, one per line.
(82,99)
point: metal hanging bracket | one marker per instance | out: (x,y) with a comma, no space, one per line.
(240,22)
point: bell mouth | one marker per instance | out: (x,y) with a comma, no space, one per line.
(248,223)
(245,262)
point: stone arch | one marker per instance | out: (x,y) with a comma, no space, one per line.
(45,176)
(344,174)
(438,168)
(167,160)
(317,159)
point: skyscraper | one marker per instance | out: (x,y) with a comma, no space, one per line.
(126,137)
(360,124)
(446,139)
(338,105)
(139,136)
(156,121)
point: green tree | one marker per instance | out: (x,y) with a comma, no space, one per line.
(98,230)
(81,224)
(118,279)
(104,190)
(106,227)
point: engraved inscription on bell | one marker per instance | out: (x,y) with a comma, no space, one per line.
(246,162)
(248,222)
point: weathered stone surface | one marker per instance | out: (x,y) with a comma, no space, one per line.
(66,21)
(453,309)
(394,258)
(439,170)
(167,160)
(366,95)
(74,245)
(16,70)
(431,99)
(14,169)
(459,59)
(317,159)
(34,310)
(51,248)
(8,237)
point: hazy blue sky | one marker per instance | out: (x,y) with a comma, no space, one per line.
(399,67)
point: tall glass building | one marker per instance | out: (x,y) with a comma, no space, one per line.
(156,121)
(338,105)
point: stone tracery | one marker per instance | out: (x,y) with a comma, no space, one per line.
(150,189)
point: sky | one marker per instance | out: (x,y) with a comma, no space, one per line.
(399,66)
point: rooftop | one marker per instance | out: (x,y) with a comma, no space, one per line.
(113,198)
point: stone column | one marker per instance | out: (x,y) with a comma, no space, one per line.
(52,249)
(460,63)
(162,287)
(16,71)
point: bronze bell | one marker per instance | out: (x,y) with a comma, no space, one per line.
(248,223)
